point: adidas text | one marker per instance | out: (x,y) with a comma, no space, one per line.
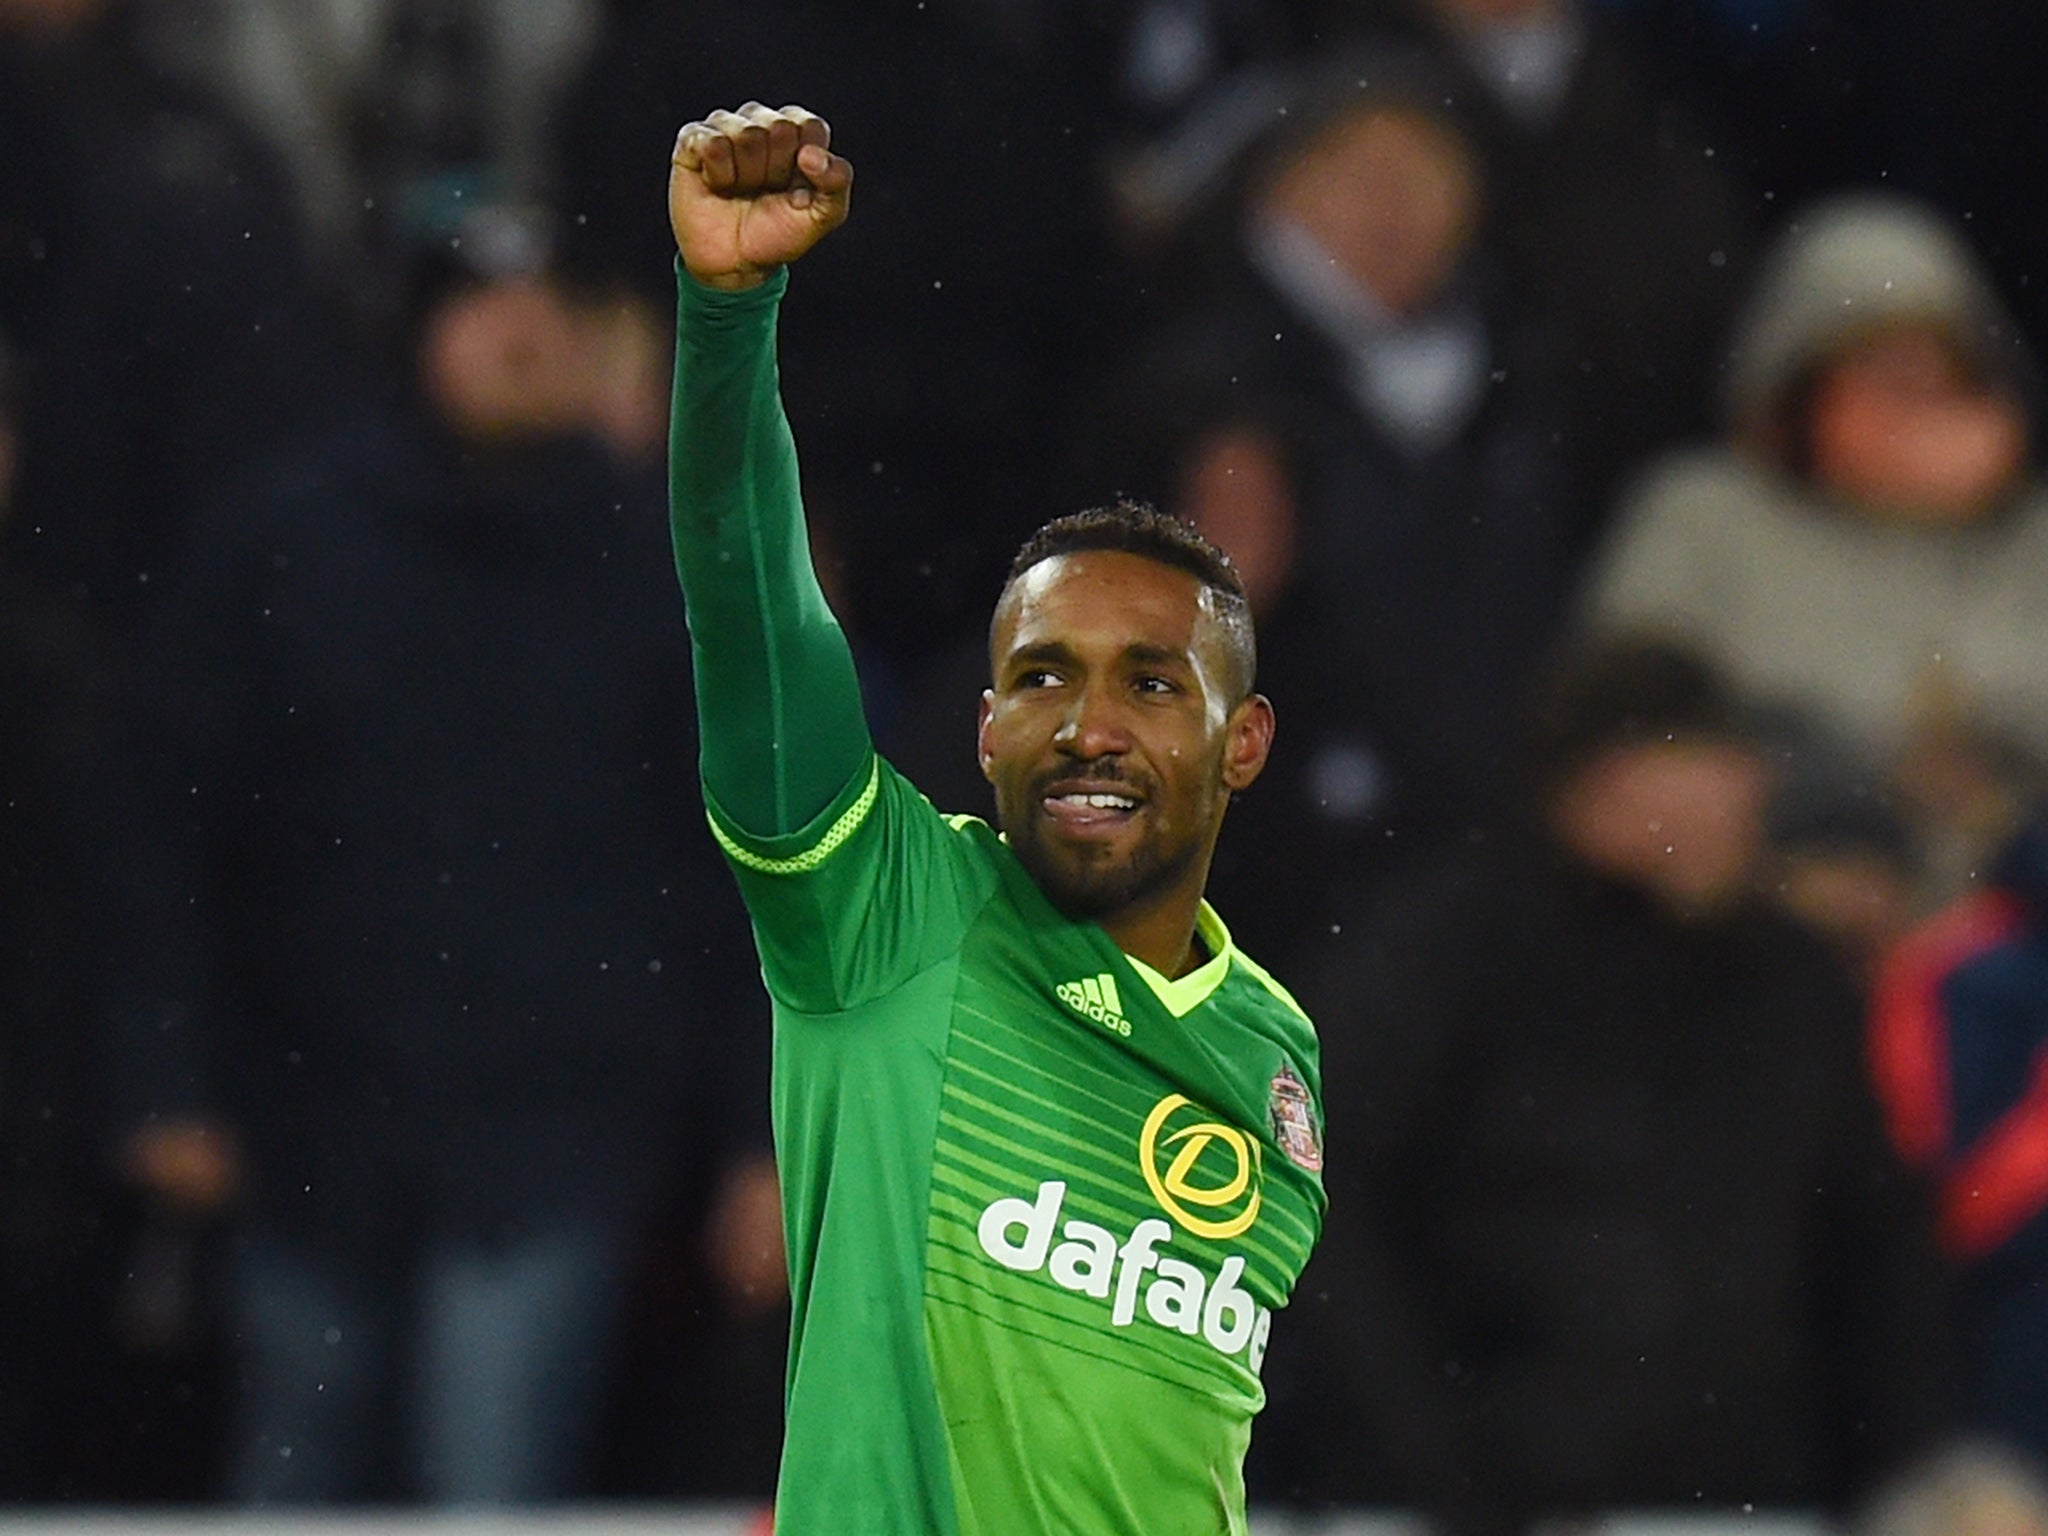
(1095,997)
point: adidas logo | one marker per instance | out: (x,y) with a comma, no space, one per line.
(1094,997)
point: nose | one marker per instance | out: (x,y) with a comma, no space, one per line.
(1092,725)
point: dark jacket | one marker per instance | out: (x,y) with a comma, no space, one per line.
(83,943)
(472,941)
(1613,1220)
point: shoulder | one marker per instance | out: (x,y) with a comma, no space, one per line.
(1700,514)
(1968,928)
(1259,1002)
(1264,980)
(881,820)
(1688,485)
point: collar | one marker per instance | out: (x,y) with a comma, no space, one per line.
(1182,994)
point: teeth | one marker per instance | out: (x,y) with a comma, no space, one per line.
(1101,802)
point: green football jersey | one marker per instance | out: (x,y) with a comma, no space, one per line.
(1041,1201)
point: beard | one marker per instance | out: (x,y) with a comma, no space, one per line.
(1087,884)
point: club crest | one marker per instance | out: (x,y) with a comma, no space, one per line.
(1292,1114)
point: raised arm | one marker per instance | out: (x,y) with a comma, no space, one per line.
(782,728)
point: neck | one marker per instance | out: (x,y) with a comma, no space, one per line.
(1164,939)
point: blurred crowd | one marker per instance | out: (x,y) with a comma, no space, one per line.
(1626,416)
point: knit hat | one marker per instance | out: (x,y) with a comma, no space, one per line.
(1852,263)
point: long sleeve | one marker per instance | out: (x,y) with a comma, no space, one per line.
(777,696)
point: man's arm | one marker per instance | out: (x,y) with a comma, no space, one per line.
(783,734)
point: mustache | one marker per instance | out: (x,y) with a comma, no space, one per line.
(1102,773)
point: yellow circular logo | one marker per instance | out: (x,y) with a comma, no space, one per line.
(1175,1188)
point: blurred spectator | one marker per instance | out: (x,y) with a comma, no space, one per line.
(1614,207)
(1606,200)
(481,1000)
(392,117)
(80,876)
(1181,86)
(1616,1224)
(1866,546)
(1360,408)
(150,271)
(1959,1040)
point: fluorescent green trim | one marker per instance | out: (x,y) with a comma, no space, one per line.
(1181,995)
(802,863)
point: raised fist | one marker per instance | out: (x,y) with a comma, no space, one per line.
(752,190)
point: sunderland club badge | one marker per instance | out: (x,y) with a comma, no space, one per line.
(1292,1114)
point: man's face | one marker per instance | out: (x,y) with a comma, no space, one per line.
(1114,734)
(1681,819)
(1392,196)
(1901,426)
(506,361)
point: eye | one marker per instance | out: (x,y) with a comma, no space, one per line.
(1036,677)
(1154,684)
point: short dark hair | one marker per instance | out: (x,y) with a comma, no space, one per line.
(1599,690)
(1138,528)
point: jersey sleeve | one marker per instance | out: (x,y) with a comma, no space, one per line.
(778,700)
(853,881)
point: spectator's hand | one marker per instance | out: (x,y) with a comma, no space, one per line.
(743,1240)
(192,1165)
(752,190)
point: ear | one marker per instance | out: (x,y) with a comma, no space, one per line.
(982,751)
(1248,741)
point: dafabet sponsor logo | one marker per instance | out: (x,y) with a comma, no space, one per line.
(1205,1176)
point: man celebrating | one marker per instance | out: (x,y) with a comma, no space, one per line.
(1050,1145)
